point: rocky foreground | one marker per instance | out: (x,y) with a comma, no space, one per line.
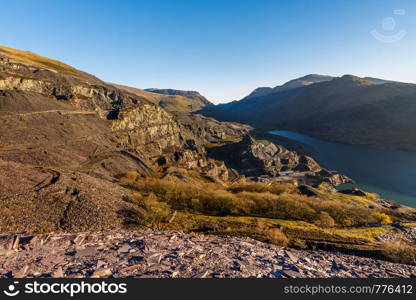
(152,253)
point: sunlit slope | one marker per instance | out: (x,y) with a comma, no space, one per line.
(34,59)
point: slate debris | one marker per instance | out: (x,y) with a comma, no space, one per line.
(162,254)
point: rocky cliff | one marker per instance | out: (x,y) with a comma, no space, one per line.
(75,135)
(262,160)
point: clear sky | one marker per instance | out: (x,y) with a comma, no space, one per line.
(223,49)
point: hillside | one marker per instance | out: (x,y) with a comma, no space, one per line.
(78,154)
(58,128)
(347,110)
(292,84)
(34,59)
(171,100)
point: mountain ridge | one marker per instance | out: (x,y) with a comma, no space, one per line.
(346,109)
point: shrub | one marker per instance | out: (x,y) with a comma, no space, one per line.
(258,187)
(382,218)
(272,235)
(205,198)
(325,220)
(400,253)
(136,198)
(276,236)
(257,200)
(345,214)
(156,213)
(129,177)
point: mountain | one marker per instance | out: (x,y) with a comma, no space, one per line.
(67,138)
(295,83)
(347,109)
(378,80)
(187,94)
(264,91)
(170,99)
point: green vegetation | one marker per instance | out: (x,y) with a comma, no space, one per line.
(274,213)
(400,252)
(276,201)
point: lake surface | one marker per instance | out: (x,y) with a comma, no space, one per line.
(389,173)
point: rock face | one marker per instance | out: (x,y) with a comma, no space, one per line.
(210,131)
(156,254)
(253,158)
(74,135)
(353,191)
(268,162)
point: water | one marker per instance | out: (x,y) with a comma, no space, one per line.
(389,173)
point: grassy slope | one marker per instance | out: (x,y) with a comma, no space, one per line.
(34,59)
(172,103)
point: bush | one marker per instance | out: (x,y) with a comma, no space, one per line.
(155,214)
(258,187)
(382,218)
(272,235)
(276,236)
(345,214)
(205,198)
(325,220)
(129,177)
(257,200)
(400,253)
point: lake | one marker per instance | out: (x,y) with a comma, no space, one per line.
(389,173)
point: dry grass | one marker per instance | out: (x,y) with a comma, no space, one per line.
(382,218)
(31,58)
(172,103)
(325,220)
(258,187)
(272,235)
(400,252)
(273,213)
(155,213)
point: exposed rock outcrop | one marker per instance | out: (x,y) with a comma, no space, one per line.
(263,159)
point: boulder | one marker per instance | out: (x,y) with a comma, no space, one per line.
(354,192)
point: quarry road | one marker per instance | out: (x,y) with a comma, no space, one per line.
(63,112)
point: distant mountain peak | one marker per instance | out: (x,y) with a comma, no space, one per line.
(170,91)
(292,84)
(312,77)
(355,79)
(193,95)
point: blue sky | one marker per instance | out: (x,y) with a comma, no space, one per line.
(224,49)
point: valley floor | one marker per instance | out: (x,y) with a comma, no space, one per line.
(161,254)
